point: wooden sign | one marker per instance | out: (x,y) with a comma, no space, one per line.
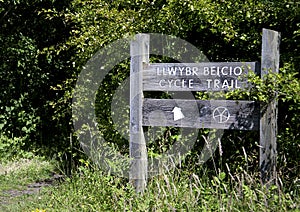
(216,114)
(196,76)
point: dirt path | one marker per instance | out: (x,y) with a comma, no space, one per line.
(30,189)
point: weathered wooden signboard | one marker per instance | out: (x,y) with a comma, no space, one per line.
(196,76)
(216,114)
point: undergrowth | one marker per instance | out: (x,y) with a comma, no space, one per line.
(92,190)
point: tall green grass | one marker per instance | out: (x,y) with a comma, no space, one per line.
(92,190)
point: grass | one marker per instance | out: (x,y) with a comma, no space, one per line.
(92,190)
(16,176)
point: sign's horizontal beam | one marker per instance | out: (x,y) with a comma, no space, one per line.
(219,114)
(196,76)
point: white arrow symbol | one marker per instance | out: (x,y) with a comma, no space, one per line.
(177,113)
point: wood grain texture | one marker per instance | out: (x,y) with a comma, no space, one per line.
(241,115)
(139,51)
(268,120)
(196,76)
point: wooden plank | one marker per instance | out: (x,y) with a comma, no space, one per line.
(217,114)
(268,120)
(139,51)
(196,76)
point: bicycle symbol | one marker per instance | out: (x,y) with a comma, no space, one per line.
(221,114)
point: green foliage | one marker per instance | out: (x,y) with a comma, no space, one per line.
(18,119)
(29,66)
(18,77)
(91,190)
(13,148)
(284,87)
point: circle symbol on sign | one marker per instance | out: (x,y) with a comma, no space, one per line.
(221,114)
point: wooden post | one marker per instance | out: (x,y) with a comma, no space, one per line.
(139,51)
(268,119)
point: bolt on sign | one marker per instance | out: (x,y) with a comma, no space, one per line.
(213,114)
